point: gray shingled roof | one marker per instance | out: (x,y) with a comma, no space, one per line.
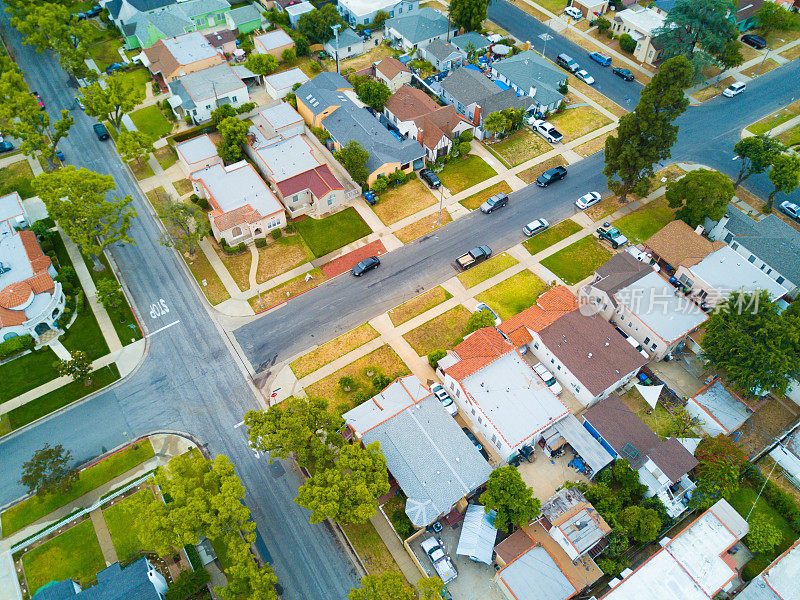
(468,86)
(529,70)
(244,14)
(505,99)
(141,5)
(113,583)
(477,40)
(536,576)
(347,37)
(440,49)
(420,26)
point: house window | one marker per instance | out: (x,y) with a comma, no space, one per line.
(473,411)
(653,346)
(728,239)
(780,280)
(233,98)
(349,48)
(752,258)
(769,271)
(458,393)
(295,198)
(702,294)
(331,199)
(460,107)
(536,345)
(208,106)
(494,438)
(480,421)
(646,341)
(498,444)
(236,231)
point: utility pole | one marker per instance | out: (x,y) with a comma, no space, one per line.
(336,33)
(767,54)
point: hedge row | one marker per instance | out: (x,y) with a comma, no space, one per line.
(775,497)
(15,345)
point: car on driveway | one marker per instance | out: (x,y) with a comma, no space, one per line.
(546,376)
(443,397)
(94,11)
(475,441)
(588,200)
(624,73)
(485,307)
(39,100)
(366,265)
(600,58)
(546,130)
(551,175)
(573,12)
(6,147)
(584,76)
(534,227)
(431,178)
(113,67)
(791,209)
(755,41)
(494,203)
(612,235)
(734,89)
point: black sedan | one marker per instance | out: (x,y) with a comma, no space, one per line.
(551,175)
(431,178)
(756,41)
(475,441)
(624,73)
(366,265)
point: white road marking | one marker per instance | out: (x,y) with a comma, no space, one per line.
(163,328)
(239,424)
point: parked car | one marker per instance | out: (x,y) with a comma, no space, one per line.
(534,227)
(366,265)
(439,558)
(588,200)
(584,76)
(79,102)
(494,203)
(431,178)
(443,397)
(624,73)
(546,130)
(601,59)
(567,62)
(791,209)
(80,16)
(39,100)
(473,257)
(573,12)
(612,235)
(94,11)
(639,348)
(475,441)
(113,67)
(755,41)
(734,89)
(550,381)
(485,307)
(6,147)
(100,131)
(551,175)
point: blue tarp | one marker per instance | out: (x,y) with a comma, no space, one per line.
(501,85)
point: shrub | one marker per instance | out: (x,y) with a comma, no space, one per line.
(603,24)
(315,67)
(290,228)
(291,99)
(347,383)
(478,320)
(241,247)
(380,382)
(435,356)
(755,566)
(464,148)
(466,136)
(187,584)
(322,135)
(245,108)
(627,43)
(188,120)
(398,177)
(381,183)
(168,112)
(79,302)
(201,202)
(15,345)
(781,501)
(276,234)
(261,242)
(194,198)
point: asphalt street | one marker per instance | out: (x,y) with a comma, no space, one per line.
(188,382)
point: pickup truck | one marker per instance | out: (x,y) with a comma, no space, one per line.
(441,562)
(473,257)
(612,235)
(546,130)
(100,131)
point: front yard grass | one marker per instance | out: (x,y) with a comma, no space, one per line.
(323,236)
(577,261)
(166,156)
(416,306)
(781,116)
(120,521)
(207,277)
(547,238)
(712,91)
(425,225)
(17,177)
(515,294)
(589,91)
(370,548)
(367,59)
(382,360)
(281,255)
(138,77)
(463,173)
(85,334)
(75,554)
(34,508)
(530,175)
(790,137)
(641,224)
(401,201)
(27,372)
(577,122)
(768,65)
(520,146)
(141,169)
(182,186)
(442,332)
(105,53)
(285,291)
(151,120)
(327,353)
(238,265)
(484,271)
(476,200)
(791,53)
(594,145)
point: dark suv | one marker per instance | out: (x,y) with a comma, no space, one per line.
(100,131)
(624,73)
(551,175)
(495,202)
(431,178)
(756,41)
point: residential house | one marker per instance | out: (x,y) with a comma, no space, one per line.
(393,73)
(138,580)
(282,5)
(171,58)
(499,393)
(475,96)
(678,245)
(347,45)
(719,409)
(433,461)
(769,244)
(273,42)
(198,94)
(550,306)
(418,29)
(245,19)
(572,521)
(362,12)
(443,55)
(417,116)
(471,40)
(328,101)
(278,85)
(295,11)
(620,271)
(279,120)
(641,24)
(243,208)
(591,9)
(197,153)
(694,565)
(663,466)
(787,454)
(144,22)
(531,75)
(778,581)
(30,300)
(746,13)
(224,40)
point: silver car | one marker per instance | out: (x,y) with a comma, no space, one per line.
(445,399)
(534,227)
(584,76)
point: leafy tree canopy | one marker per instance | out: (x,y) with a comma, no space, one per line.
(372,93)
(316,25)
(119,96)
(756,154)
(262,64)
(49,470)
(513,500)
(641,524)
(721,462)
(764,535)
(784,176)
(468,14)
(386,586)
(700,194)
(354,159)
(186,226)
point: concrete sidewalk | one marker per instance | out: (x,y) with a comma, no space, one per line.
(396,548)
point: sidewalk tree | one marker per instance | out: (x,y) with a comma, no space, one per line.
(764,535)
(347,491)
(261,64)
(468,14)
(389,585)
(756,154)
(510,497)
(245,579)
(316,25)
(119,96)
(772,17)
(721,463)
(234,133)
(76,199)
(430,588)
(784,176)
(372,93)
(698,195)
(478,320)
(48,471)
(186,226)
(109,293)
(79,367)
(641,524)
(134,145)
(354,159)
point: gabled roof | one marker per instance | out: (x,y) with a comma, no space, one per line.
(440,49)
(169,54)
(673,459)
(347,37)
(468,86)
(549,307)
(420,26)
(620,271)
(476,39)
(408,103)
(535,575)
(478,350)
(244,14)
(680,246)
(113,583)
(220,38)
(390,67)
(197,87)
(527,70)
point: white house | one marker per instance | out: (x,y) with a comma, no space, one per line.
(280,84)
(442,55)
(348,45)
(787,455)
(272,42)
(640,23)
(295,11)
(420,28)
(201,92)
(197,153)
(362,12)
(778,581)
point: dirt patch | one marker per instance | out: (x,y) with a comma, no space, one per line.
(402,201)
(424,226)
(319,357)
(476,200)
(286,291)
(593,145)
(280,256)
(440,333)
(770,420)
(344,263)
(417,306)
(602,100)
(768,65)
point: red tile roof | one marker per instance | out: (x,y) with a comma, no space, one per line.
(9,318)
(551,306)
(479,349)
(16,294)
(237,216)
(41,283)
(39,260)
(319,180)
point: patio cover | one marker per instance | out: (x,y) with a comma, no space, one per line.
(592,453)
(478,534)
(650,393)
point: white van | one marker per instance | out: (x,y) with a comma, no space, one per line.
(575,13)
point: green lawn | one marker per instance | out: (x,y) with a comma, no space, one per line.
(515,294)
(641,224)
(27,372)
(547,238)
(139,77)
(520,146)
(74,554)
(151,120)
(85,334)
(790,137)
(440,333)
(17,177)
(462,173)
(331,233)
(166,156)
(485,270)
(577,261)
(478,198)
(120,522)
(34,508)
(781,116)
(106,53)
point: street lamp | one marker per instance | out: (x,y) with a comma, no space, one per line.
(336,33)
(767,54)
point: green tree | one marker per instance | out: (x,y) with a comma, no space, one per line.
(354,159)
(510,497)
(430,588)
(261,64)
(756,154)
(784,176)
(245,578)
(223,112)
(700,194)
(731,56)
(288,55)
(764,535)
(119,96)
(605,501)
(234,134)
(641,524)
(682,423)
(435,356)
(79,367)
(186,226)
(468,14)
(48,471)
(372,93)
(316,25)
(603,24)
(109,293)
(646,135)
(478,320)
(464,148)
(348,490)
(772,17)
(627,43)
(134,145)
(721,462)
(303,427)
(386,586)
(496,123)
(76,199)
(380,19)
